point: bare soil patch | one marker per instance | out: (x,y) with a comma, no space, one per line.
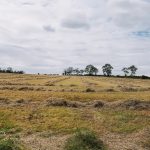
(133,141)
(36,142)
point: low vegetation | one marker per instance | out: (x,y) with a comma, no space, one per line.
(10,144)
(84,140)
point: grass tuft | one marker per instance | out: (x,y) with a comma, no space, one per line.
(84,140)
(9,144)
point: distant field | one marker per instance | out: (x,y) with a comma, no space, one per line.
(43,111)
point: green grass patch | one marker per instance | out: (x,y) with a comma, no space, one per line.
(124,121)
(84,140)
(10,144)
(7,125)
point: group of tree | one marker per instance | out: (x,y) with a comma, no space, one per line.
(10,70)
(92,70)
(130,70)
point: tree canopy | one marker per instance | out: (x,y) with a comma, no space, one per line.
(91,70)
(107,69)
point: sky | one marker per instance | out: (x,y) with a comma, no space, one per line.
(46,36)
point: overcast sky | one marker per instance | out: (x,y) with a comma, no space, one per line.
(47,36)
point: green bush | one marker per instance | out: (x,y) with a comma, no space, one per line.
(84,140)
(9,144)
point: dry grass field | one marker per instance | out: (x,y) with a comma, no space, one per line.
(42,111)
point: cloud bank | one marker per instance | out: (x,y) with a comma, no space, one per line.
(48,35)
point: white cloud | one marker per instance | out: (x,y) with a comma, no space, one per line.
(132,14)
(48,35)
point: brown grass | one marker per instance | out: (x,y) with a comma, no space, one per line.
(117,110)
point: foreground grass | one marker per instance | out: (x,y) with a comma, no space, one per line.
(6,124)
(66,120)
(146,144)
(124,121)
(84,140)
(10,144)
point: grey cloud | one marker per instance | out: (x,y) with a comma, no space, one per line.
(48,28)
(28,3)
(76,21)
(74,24)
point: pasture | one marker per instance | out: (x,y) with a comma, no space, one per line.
(43,111)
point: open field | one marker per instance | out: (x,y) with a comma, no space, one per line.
(43,111)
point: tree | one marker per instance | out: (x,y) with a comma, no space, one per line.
(76,71)
(126,71)
(68,71)
(107,69)
(133,70)
(82,71)
(91,70)
(9,70)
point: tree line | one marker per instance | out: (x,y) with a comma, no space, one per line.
(10,70)
(92,70)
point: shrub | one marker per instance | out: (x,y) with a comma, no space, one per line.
(84,140)
(9,144)
(90,90)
